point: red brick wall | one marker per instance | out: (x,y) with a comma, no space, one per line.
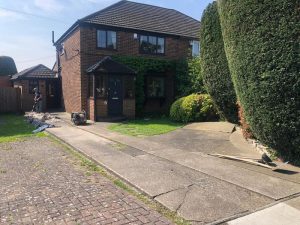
(175,47)
(71,74)
(27,99)
(129,108)
(91,109)
(81,52)
(5,81)
(101,108)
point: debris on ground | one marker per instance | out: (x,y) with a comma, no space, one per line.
(264,162)
(41,121)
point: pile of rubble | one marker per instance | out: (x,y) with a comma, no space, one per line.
(41,121)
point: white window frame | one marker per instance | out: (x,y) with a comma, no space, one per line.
(195,48)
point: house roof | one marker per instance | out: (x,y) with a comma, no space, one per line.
(38,72)
(139,16)
(108,65)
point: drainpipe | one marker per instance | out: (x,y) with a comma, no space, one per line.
(57,56)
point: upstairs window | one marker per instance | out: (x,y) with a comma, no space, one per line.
(106,39)
(152,44)
(195,48)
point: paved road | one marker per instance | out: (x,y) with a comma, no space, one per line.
(43,184)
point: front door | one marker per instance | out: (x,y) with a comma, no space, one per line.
(53,94)
(115,96)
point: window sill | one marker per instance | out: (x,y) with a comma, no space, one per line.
(153,54)
(107,49)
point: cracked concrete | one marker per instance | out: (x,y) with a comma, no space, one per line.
(201,188)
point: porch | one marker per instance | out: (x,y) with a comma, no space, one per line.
(111,90)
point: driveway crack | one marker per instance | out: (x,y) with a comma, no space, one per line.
(183,200)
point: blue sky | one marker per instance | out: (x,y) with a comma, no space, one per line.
(27,38)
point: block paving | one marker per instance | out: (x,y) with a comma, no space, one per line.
(41,183)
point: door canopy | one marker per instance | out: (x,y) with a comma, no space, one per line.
(109,66)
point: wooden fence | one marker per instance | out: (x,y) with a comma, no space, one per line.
(10,99)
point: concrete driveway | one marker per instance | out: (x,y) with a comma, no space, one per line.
(176,170)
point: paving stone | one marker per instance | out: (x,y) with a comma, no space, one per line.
(45,185)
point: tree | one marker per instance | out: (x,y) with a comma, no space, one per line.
(214,65)
(7,66)
(261,40)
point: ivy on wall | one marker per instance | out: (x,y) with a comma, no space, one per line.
(143,66)
(187,75)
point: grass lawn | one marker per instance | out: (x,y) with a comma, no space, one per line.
(14,128)
(145,127)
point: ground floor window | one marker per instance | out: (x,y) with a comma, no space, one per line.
(128,87)
(155,87)
(31,85)
(100,86)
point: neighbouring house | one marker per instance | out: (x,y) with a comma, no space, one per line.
(95,81)
(43,78)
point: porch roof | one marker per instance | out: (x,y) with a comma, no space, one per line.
(108,66)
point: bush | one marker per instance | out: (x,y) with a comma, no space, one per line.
(195,107)
(7,66)
(188,78)
(261,40)
(214,65)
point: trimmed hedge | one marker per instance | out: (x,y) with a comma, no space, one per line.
(261,40)
(188,77)
(195,107)
(7,66)
(214,65)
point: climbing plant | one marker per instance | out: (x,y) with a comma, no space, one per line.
(142,66)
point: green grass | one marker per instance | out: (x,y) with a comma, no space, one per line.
(15,128)
(145,127)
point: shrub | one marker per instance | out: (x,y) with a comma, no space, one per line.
(188,78)
(214,65)
(7,66)
(261,40)
(195,107)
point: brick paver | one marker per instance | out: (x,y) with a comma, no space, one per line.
(41,183)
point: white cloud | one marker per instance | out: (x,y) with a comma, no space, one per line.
(9,15)
(49,5)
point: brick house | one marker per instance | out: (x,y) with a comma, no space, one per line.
(43,78)
(93,81)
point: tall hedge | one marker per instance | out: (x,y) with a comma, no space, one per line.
(261,41)
(215,71)
(7,66)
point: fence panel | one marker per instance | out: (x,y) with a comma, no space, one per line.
(10,99)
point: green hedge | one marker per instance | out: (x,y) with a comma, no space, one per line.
(214,65)
(261,40)
(195,107)
(188,77)
(7,66)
